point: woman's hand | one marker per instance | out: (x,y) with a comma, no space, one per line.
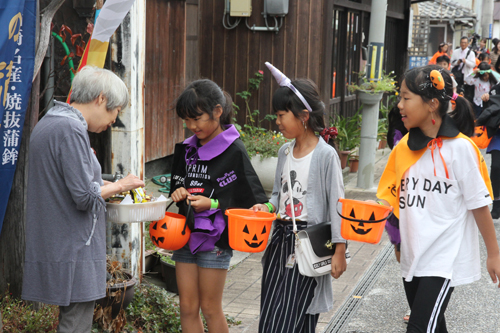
(485,97)
(180,194)
(123,185)
(339,264)
(260,208)
(200,203)
(130,182)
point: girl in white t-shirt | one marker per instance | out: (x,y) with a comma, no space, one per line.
(291,302)
(483,80)
(438,184)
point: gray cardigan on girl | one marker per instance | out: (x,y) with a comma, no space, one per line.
(65,225)
(324,187)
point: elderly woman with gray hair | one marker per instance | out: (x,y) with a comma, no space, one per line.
(65,260)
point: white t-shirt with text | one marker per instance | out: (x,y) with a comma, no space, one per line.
(439,236)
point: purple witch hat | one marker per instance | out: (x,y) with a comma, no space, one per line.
(284,81)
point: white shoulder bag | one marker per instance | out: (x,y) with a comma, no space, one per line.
(313,246)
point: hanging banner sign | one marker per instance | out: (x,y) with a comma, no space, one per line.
(17,59)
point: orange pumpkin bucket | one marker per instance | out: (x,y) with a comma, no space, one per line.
(171,232)
(248,230)
(363,221)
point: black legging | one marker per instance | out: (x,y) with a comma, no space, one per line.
(495,173)
(428,298)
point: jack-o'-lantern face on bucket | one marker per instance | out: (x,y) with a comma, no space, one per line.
(360,227)
(254,242)
(155,233)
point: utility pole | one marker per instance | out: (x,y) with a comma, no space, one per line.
(487,19)
(371,102)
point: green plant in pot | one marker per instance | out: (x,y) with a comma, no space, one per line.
(261,144)
(386,84)
(349,134)
(257,139)
(168,273)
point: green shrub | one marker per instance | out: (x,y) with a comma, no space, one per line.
(19,317)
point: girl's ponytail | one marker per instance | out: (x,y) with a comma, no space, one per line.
(227,109)
(463,116)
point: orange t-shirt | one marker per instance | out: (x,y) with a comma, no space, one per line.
(435,56)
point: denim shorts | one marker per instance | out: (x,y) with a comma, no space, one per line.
(217,258)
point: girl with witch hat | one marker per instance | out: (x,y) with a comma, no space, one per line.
(291,302)
(212,172)
(437,182)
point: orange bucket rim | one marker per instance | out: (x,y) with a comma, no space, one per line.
(231,213)
(388,208)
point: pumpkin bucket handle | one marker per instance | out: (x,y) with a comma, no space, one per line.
(187,214)
(362,221)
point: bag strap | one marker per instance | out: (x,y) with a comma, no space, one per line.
(288,158)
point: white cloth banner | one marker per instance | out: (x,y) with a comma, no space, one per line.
(112,14)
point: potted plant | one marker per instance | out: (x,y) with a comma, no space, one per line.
(168,272)
(261,144)
(353,163)
(386,84)
(109,312)
(151,256)
(349,134)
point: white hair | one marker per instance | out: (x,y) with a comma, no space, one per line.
(91,81)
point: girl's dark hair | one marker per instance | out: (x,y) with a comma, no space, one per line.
(484,67)
(443,58)
(418,82)
(440,47)
(483,56)
(202,96)
(284,99)
(495,44)
(395,123)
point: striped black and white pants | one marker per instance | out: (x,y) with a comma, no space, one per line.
(428,298)
(285,294)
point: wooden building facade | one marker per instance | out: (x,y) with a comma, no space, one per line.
(319,39)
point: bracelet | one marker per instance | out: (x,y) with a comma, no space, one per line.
(269,206)
(214,204)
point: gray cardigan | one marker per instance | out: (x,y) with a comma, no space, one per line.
(324,187)
(65,225)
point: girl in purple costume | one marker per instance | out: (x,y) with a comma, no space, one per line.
(212,171)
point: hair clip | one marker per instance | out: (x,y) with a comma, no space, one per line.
(437,79)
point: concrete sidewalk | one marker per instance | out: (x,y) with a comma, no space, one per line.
(241,297)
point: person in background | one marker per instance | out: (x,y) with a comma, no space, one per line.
(442,50)
(482,47)
(463,61)
(65,262)
(444,62)
(495,52)
(483,80)
(494,150)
